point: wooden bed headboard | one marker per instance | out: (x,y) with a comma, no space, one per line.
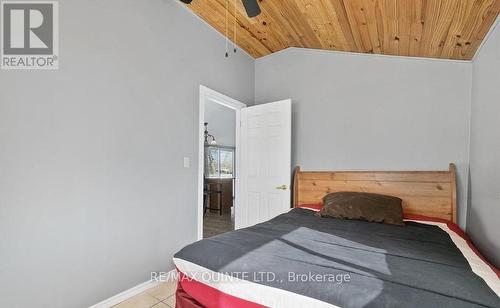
(428,193)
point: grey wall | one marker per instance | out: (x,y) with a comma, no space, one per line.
(221,123)
(93,193)
(372,112)
(91,174)
(484,209)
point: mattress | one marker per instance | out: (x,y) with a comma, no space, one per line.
(300,260)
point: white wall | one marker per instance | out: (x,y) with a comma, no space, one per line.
(354,111)
(484,208)
(93,193)
(221,123)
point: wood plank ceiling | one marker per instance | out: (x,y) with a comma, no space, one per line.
(448,29)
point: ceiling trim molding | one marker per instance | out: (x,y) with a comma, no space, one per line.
(349,53)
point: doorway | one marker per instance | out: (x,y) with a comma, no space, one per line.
(218,162)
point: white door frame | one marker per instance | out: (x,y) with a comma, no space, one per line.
(207,94)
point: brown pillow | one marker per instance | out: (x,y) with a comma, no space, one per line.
(363,206)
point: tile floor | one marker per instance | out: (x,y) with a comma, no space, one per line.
(161,296)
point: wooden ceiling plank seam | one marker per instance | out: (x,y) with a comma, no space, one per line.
(351,7)
(417,9)
(452,28)
(295,35)
(425,6)
(341,13)
(371,20)
(269,24)
(265,34)
(307,34)
(381,26)
(487,17)
(481,35)
(404,26)
(359,10)
(457,51)
(329,33)
(468,27)
(278,22)
(430,21)
(392,39)
(277,8)
(329,36)
(454,34)
(335,25)
(483,17)
(442,27)
(310,11)
(385,26)
(486,25)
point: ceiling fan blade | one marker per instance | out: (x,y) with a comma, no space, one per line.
(252,7)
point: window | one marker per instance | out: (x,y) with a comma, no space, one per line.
(226,158)
(219,162)
(212,162)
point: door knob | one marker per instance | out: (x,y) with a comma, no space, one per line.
(282,187)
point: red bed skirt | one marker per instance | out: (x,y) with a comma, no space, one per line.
(184,300)
(191,294)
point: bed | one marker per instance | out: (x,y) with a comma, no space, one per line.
(298,259)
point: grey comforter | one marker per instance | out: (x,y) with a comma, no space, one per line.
(360,264)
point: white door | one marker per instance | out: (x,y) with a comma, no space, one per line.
(265,162)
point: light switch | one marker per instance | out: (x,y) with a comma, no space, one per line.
(187,163)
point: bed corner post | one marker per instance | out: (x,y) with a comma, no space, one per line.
(295,187)
(453,182)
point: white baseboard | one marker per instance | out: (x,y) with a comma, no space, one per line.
(123,296)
